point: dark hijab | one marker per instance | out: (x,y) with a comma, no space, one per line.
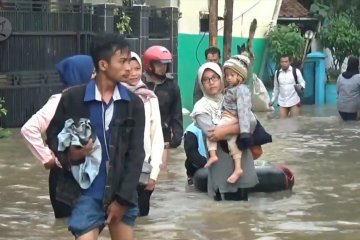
(352,67)
(75,70)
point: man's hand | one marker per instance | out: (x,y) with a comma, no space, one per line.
(50,164)
(150,186)
(271,103)
(115,212)
(76,154)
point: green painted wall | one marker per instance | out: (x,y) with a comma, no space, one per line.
(188,64)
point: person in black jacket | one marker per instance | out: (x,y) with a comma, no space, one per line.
(156,60)
(117,119)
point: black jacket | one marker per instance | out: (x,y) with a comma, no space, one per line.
(168,93)
(126,148)
(194,160)
(197,94)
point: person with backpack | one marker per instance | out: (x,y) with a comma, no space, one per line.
(117,117)
(74,70)
(288,85)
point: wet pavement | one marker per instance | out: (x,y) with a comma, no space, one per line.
(321,150)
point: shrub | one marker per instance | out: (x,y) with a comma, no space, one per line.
(286,40)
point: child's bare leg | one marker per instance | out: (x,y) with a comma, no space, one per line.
(213,158)
(237,170)
(212,152)
(236,156)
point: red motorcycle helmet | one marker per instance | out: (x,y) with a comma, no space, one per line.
(155,54)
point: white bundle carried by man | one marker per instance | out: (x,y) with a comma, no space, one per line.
(259,96)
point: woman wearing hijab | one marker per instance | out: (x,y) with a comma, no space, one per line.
(348,91)
(207,112)
(153,136)
(73,71)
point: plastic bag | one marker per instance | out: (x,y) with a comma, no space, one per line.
(259,96)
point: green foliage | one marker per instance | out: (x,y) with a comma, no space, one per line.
(342,37)
(286,40)
(123,25)
(126,2)
(326,9)
(332,75)
(3,111)
(3,132)
(322,11)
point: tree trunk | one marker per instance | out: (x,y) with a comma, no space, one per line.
(228,23)
(249,50)
(250,41)
(213,23)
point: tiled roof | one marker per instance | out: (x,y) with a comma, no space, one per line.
(292,9)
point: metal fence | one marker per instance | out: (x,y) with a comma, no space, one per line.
(43,33)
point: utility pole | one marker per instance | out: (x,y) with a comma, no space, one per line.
(228,24)
(213,22)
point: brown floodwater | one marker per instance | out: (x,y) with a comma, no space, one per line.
(321,150)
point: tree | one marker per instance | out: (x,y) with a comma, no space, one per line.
(341,36)
(326,9)
(286,40)
(3,132)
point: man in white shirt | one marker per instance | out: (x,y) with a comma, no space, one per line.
(284,90)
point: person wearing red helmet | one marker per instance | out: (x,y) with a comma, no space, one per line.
(157,60)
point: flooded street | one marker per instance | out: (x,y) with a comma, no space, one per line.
(322,151)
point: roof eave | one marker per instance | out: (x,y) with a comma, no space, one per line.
(298,18)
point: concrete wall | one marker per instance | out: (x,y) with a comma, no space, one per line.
(243,13)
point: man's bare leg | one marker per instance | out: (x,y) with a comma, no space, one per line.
(121,231)
(295,111)
(92,235)
(164,166)
(284,112)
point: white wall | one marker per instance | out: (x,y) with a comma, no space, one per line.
(163,3)
(243,13)
(157,3)
(102,1)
